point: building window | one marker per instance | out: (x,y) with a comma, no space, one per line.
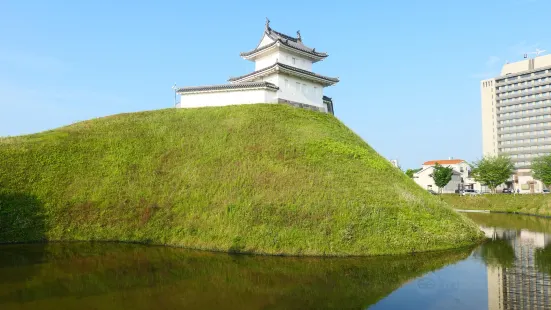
(294,61)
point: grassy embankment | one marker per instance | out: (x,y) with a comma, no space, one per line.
(536,204)
(267,179)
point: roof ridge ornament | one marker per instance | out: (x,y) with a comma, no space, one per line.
(267,23)
(299,38)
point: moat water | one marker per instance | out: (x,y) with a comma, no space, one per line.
(510,271)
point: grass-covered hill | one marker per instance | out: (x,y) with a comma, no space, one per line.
(266,179)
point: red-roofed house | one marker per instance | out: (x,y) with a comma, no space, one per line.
(444,162)
(460,180)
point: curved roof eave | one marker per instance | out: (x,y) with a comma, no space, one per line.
(313,54)
(293,70)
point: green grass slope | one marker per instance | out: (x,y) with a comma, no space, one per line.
(267,179)
(535,204)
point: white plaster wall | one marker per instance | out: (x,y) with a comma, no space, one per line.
(266,60)
(283,57)
(304,92)
(309,93)
(231,97)
(265,41)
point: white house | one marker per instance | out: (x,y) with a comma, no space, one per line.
(460,179)
(524,182)
(283,74)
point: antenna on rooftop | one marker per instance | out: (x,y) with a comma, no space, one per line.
(537,52)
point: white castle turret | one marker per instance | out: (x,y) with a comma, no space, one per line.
(283,74)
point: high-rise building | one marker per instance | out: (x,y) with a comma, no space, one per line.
(516,113)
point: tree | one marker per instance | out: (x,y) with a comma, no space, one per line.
(442,176)
(493,170)
(541,167)
(411,172)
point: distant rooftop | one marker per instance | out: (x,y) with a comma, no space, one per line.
(526,65)
(443,162)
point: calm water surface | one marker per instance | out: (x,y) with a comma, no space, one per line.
(510,271)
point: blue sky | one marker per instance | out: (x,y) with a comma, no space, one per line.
(409,70)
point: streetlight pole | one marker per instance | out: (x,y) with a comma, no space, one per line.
(174,89)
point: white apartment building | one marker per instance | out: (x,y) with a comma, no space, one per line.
(516,116)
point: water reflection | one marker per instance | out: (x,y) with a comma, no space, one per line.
(510,271)
(517,268)
(126,276)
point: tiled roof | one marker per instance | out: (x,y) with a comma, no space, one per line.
(443,162)
(227,86)
(431,168)
(286,40)
(279,65)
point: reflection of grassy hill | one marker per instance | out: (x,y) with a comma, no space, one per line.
(511,221)
(530,204)
(115,276)
(254,178)
(498,253)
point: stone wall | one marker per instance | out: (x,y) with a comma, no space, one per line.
(301,105)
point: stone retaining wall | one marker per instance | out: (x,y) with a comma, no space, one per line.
(301,105)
